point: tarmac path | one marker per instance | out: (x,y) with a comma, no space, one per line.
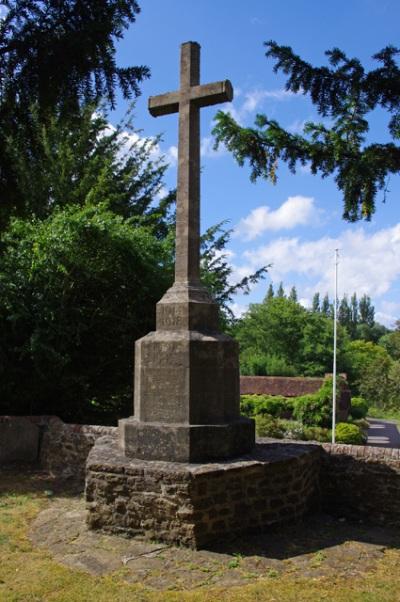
(383,433)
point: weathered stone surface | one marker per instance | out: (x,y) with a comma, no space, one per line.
(186,377)
(361,482)
(195,504)
(65,447)
(186,373)
(19,439)
(186,442)
(316,547)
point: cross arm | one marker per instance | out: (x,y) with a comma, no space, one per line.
(164,104)
(212,94)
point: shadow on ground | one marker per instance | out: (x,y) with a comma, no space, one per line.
(318,546)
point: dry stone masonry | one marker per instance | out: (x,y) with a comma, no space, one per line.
(194,504)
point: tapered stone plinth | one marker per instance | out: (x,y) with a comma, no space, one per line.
(187,373)
(186,387)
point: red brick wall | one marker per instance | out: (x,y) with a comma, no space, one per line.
(279,385)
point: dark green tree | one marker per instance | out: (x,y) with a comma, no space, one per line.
(345,93)
(326,307)
(76,290)
(55,58)
(281,337)
(293,294)
(280,293)
(216,272)
(93,163)
(270,293)
(315,307)
(354,309)
(344,313)
(366,311)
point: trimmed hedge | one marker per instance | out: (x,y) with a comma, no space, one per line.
(359,407)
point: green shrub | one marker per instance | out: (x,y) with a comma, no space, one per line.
(349,433)
(359,407)
(75,293)
(317,433)
(259,364)
(268,426)
(277,406)
(292,429)
(312,410)
(362,423)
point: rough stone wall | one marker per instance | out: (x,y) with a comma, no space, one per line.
(361,482)
(65,447)
(195,504)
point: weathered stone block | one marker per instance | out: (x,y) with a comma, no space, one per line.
(185,442)
(190,513)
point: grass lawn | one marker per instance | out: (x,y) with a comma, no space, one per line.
(29,574)
(392,415)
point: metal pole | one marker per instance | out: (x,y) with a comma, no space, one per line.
(334,347)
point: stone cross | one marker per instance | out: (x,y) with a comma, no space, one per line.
(187,101)
(186,400)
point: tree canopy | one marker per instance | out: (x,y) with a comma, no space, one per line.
(56,58)
(345,92)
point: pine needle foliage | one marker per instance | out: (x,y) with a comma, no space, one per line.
(344,93)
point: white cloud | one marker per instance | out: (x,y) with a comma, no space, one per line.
(386,319)
(172,155)
(295,211)
(238,309)
(207,148)
(369,263)
(252,100)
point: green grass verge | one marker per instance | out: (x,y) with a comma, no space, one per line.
(393,415)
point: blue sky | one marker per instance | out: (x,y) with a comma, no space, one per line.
(296,224)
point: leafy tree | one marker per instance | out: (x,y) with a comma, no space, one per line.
(368,363)
(270,292)
(55,58)
(62,53)
(366,310)
(76,290)
(394,386)
(279,336)
(391,342)
(326,307)
(345,93)
(315,307)
(280,292)
(92,163)
(354,309)
(370,333)
(216,272)
(344,313)
(293,294)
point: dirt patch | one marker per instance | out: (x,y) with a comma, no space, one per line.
(320,546)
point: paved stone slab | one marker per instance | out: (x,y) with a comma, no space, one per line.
(316,548)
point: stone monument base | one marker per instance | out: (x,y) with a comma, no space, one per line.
(185,442)
(194,504)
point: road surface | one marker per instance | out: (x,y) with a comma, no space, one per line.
(383,433)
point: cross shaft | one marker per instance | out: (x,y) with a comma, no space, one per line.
(187,101)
